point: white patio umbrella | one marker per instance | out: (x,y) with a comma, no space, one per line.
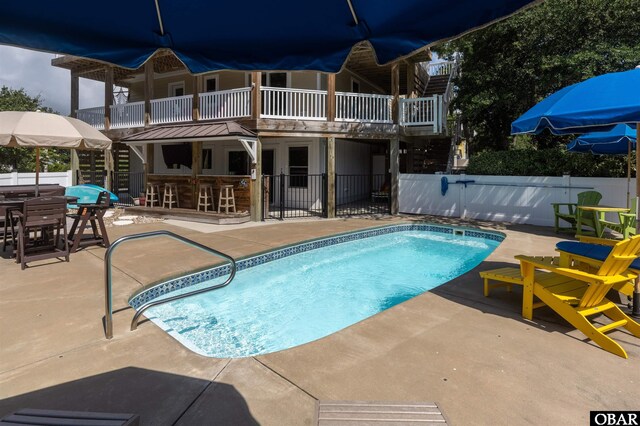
(41,129)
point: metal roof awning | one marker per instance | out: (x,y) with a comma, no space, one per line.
(191,133)
(198,132)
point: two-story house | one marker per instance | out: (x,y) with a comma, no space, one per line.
(293,143)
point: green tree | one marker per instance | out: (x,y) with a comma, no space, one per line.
(510,66)
(23,159)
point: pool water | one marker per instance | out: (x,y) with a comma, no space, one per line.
(306,296)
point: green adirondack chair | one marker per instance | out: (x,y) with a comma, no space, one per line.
(626,224)
(586,198)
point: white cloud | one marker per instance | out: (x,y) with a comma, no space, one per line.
(32,71)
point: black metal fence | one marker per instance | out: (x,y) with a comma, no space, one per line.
(290,196)
(362,194)
(127,186)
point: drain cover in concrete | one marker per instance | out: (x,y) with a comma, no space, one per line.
(343,413)
(122,222)
(130,217)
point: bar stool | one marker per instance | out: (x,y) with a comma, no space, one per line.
(228,200)
(153,195)
(170,194)
(205,197)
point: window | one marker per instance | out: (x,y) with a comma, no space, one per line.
(211,84)
(238,163)
(355,86)
(274,79)
(298,166)
(207,158)
(176,89)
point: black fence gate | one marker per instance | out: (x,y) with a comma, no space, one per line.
(127,186)
(290,196)
(362,194)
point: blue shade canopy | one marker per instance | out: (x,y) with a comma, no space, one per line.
(242,35)
(615,141)
(593,105)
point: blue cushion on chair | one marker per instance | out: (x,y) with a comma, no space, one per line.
(594,251)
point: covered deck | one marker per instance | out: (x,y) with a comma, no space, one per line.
(184,155)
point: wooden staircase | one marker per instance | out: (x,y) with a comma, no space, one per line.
(437,85)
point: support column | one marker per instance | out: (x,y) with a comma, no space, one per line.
(197,89)
(148,91)
(109,168)
(75,105)
(331,177)
(331,97)
(108,96)
(394,170)
(257,193)
(411,79)
(256,97)
(395,91)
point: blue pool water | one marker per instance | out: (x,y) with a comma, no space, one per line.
(306,296)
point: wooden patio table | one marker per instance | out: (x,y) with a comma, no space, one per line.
(92,214)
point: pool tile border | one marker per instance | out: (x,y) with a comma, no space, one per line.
(161,289)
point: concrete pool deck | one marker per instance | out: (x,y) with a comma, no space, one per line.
(475,356)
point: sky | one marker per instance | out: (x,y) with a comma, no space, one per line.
(32,71)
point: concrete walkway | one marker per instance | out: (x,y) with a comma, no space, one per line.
(476,357)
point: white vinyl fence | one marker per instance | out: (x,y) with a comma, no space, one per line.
(15,178)
(516,199)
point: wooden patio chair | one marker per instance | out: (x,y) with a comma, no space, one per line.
(39,219)
(586,198)
(577,295)
(626,224)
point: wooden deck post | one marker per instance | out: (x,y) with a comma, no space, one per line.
(331,97)
(256,97)
(198,88)
(411,79)
(395,91)
(331,177)
(75,105)
(394,159)
(108,96)
(256,192)
(148,91)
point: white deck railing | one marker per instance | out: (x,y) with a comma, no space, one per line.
(294,104)
(440,68)
(363,107)
(421,112)
(127,115)
(281,103)
(225,104)
(93,116)
(172,110)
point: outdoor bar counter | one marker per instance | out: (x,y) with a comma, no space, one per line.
(188,188)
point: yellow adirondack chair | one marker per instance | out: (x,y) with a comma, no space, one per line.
(577,295)
(586,198)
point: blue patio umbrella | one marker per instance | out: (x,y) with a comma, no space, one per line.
(242,35)
(614,141)
(617,141)
(596,104)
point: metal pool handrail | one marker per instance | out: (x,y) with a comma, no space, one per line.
(108,302)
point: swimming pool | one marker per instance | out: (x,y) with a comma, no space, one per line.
(301,293)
